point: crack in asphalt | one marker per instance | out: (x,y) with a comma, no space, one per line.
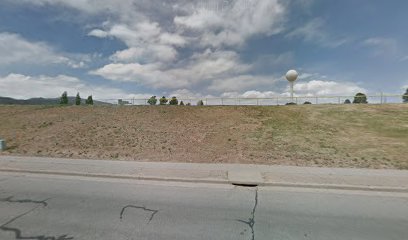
(10,200)
(251,220)
(153,212)
(18,232)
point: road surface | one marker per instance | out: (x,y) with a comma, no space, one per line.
(50,207)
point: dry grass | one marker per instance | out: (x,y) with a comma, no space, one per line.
(368,136)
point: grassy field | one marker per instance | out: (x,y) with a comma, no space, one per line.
(363,136)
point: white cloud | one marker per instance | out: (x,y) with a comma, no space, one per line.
(181,44)
(98,33)
(221,68)
(23,87)
(234,23)
(150,53)
(314,32)
(250,94)
(16,50)
(326,88)
(382,46)
(160,35)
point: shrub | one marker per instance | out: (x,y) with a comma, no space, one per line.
(347,101)
(291,103)
(188,104)
(181,103)
(77,100)
(307,103)
(173,101)
(360,98)
(163,100)
(200,103)
(64,98)
(405,97)
(89,100)
(152,100)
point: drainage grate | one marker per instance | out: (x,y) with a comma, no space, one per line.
(245,185)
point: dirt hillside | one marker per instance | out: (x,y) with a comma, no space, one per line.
(368,136)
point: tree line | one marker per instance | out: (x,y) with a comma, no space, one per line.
(359,98)
(78,100)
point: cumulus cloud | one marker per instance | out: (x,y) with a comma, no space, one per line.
(98,33)
(15,49)
(179,44)
(23,87)
(222,69)
(233,23)
(327,88)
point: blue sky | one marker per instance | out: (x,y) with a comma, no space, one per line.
(230,48)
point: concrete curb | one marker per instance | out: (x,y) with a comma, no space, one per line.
(132,177)
(215,181)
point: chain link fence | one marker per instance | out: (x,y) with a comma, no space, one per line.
(273,101)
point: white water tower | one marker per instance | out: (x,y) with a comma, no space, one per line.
(292,76)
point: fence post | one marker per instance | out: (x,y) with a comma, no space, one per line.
(277,101)
(222,101)
(339,100)
(381,97)
(317,100)
(257,102)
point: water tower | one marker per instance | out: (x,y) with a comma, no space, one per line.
(292,76)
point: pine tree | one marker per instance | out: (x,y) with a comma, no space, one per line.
(77,100)
(89,101)
(64,98)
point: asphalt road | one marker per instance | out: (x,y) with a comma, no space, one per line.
(47,207)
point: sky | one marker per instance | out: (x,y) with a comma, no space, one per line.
(204,48)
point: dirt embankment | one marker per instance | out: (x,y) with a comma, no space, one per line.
(370,136)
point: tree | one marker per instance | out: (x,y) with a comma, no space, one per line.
(163,100)
(89,101)
(200,103)
(173,101)
(347,101)
(64,98)
(152,100)
(360,98)
(77,100)
(405,97)
(181,103)
(307,103)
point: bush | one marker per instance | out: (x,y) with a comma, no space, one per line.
(181,103)
(89,100)
(64,98)
(347,101)
(163,100)
(77,100)
(307,103)
(405,97)
(152,100)
(173,101)
(291,103)
(200,103)
(360,98)
(188,104)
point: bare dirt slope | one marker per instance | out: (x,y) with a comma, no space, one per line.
(369,136)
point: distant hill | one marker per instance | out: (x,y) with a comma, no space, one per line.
(42,101)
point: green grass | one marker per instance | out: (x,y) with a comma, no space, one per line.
(336,135)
